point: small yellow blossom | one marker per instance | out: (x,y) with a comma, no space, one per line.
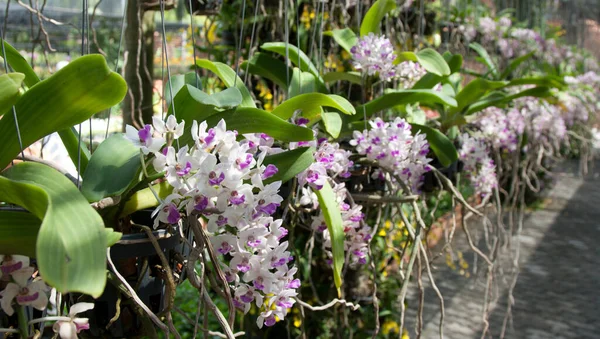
(390,326)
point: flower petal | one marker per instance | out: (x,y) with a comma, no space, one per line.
(79,308)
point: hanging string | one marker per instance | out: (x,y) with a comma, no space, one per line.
(256,5)
(166,53)
(117,62)
(83,49)
(311,45)
(193,43)
(298,47)
(320,55)
(14,111)
(241,38)
(421,23)
(287,48)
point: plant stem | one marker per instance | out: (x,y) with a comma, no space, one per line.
(23,326)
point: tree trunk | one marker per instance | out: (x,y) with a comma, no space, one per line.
(139,53)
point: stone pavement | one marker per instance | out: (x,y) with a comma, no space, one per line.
(557,294)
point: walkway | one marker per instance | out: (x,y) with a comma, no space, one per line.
(557,294)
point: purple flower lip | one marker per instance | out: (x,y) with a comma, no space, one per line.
(183,171)
(237,199)
(225,248)
(81,327)
(145,134)
(25,297)
(302,121)
(243,267)
(284,232)
(201,203)
(248,297)
(173,216)
(8,269)
(265,136)
(293,284)
(270,321)
(252,242)
(221,220)
(214,180)
(229,277)
(285,303)
(258,283)
(269,171)
(246,163)
(268,209)
(210,137)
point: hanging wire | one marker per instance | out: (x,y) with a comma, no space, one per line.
(166,53)
(311,45)
(256,5)
(298,47)
(287,47)
(241,38)
(83,50)
(320,54)
(193,43)
(14,111)
(117,62)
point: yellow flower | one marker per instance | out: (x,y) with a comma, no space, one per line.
(405,334)
(211,35)
(297,322)
(390,326)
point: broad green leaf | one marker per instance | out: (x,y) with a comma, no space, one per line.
(193,104)
(290,163)
(345,37)
(178,81)
(18,232)
(372,21)
(309,102)
(440,144)
(429,58)
(71,243)
(70,96)
(515,64)
(475,90)
(487,60)
(302,82)
(144,198)
(353,77)
(229,78)
(112,237)
(333,123)
(253,120)
(454,61)
(415,116)
(545,81)
(19,64)
(404,97)
(268,67)
(500,101)
(70,138)
(333,218)
(428,81)
(296,56)
(111,169)
(10,84)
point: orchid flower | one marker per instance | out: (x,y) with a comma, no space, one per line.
(25,292)
(68,329)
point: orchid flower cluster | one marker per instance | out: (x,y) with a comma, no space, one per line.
(25,290)
(501,129)
(375,54)
(395,149)
(544,121)
(224,181)
(409,73)
(331,163)
(479,166)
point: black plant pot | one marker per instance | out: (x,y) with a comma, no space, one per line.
(135,259)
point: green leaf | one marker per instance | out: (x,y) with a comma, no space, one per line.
(302,82)
(70,138)
(290,163)
(112,237)
(253,120)
(309,102)
(487,60)
(545,81)
(429,58)
(515,64)
(296,56)
(111,169)
(10,84)
(70,96)
(178,81)
(440,144)
(404,97)
(345,37)
(353,77)
(500,100)
(333,219)
(333,123)
(19,64)
(454,61)
(228,76)
(144,198)
(475,90)
(372,20)
(18,232)
(268,67)
(428,81)
(71,243)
